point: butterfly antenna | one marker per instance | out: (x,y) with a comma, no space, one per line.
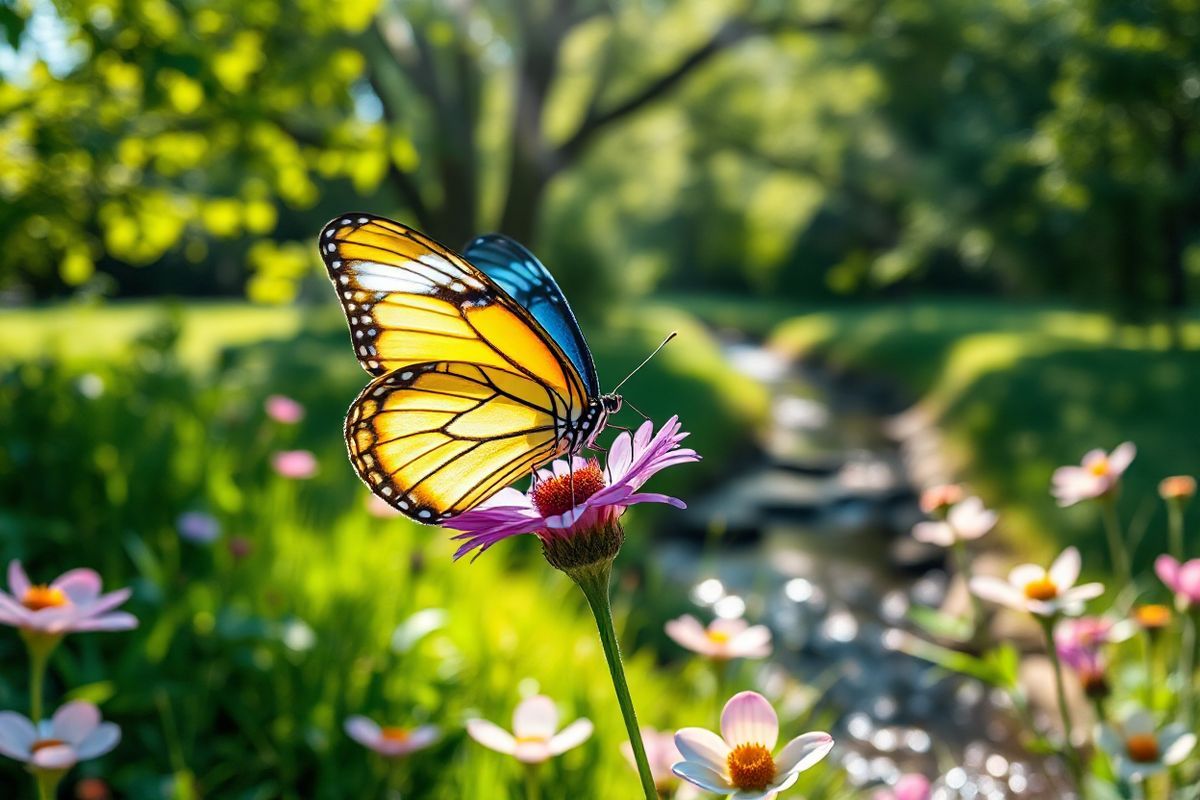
(670,336)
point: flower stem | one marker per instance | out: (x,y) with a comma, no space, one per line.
(1069,751)
(1175,522)
(40,646)
(964,568)
(1116,542)
(593,580)
(1187,668)
(533,787)
(47,783)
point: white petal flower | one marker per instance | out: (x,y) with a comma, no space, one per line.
(535,737)
(1046,593)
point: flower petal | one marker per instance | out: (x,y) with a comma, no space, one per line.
(702,776)
(687,632)
(362,730)
(997,590)
(802,752)
(18,581)
(535,718)
(571,736)
(17,735)
(1138,722)
(1175,743)
(55,757)
(74,722)
(1120,459)
(933,532)
(1065,569)
(754,642)
(749,719)
(82,586)
(1024,574)
(119,621)
(701,746)
(1167,569)
(99,741)
(492,736)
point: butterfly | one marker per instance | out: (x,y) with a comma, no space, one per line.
(480,371)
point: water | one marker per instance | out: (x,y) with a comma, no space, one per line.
(813,537)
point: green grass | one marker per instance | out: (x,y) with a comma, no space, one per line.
(1020,391)
(237,682)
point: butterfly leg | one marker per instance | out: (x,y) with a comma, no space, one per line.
(635,408)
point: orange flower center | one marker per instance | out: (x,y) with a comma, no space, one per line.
(560,494)
(751,767)
(718,637)
(1177,487)
(1099,467)
(41,744)
(1142,748)
(38,597)
(1041,589)
(393,734)
(1152,617)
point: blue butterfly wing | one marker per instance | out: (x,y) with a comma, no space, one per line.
(519,273)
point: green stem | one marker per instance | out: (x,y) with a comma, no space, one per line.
(1069,751)
(47,783)
(964,567)
(1116,542)
(1187,668)
(1175,523)
(40,646)
(533,787)
(593,579)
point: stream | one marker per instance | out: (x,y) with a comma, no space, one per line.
(812,538)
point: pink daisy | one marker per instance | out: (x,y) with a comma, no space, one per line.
(390,741)
(71,603)
(566,500)
(723,639)
(1182,579)
(283,409)
(1097,475)
(75,733)
(296,464)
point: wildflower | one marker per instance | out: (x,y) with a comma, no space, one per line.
(1182,579)
(1177,488)
(1097,476)
(909,787)
(937,500)
(1089,633)
(198,527)
(723,639)
(388,741)
(1139,751)
(566,503)
(535,736)
(662,754)
(71,603)
(1152,617)
(295,464)
(1045,593)
(739,762)
(964,521)
(283,409)
(75,733)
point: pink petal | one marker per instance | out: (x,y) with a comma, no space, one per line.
(1167,569)
(802,752)
(571,736)
(749,719)
(689,633)
(74,722)
(703,747)
(913,787)
(119,621)
(16,613)
(82,586)
(100,741)
(491,736)
(535,718)
(1122,456)
(54,757)
(532,752)
(422,737)
(363,730)
(754,642)
(18,581)
(1189,580)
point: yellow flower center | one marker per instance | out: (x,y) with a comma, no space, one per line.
(38,597)
(1041,589)
(532,740)
(41,744)
(1153,616)
(1142,748)
(393,734)
(718,637)
(1099,467)
(751,767)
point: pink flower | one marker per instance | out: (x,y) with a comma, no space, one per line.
(535,736)
(1182,579)
(75,733)
(909,787)
(740,762)
(964,521)
(1076,637)
(723,639)
(936,500)
(72,603)
(1042,592)
(284,409)
(296,464)
(391,742)
(566,500)
(1098,475)
(662,754)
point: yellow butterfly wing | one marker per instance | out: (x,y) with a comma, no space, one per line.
(436,439)
(469,393)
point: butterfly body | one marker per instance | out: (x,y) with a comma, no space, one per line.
(480,372)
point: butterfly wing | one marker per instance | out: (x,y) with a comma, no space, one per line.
(526,279)
(436,439)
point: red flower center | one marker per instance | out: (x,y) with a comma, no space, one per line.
(41,744)
(1142,748)
(38,597)
(560,494)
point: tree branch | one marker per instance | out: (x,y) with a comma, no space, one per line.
(728,35)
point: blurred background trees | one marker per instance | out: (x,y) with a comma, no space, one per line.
(1022,147)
